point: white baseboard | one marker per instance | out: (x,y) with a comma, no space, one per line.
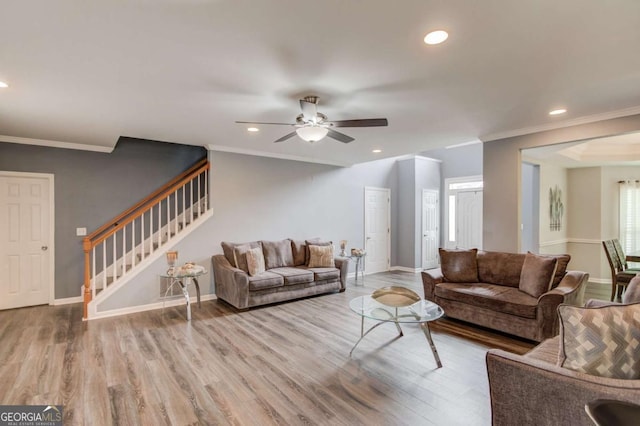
(67,301)
(406,269)
(606,281)
(151,306)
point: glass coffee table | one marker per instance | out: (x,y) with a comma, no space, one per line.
(397,305)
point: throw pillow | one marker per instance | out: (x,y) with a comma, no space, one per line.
(314,242)
(602,341)
(321,257)
(459,266)
(299,251)
(277,254)
(537,274)
(239,256)
(228,247)
(255,261)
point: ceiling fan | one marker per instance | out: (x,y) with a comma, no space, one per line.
(313,126)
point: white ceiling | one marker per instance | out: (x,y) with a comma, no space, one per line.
(87,72)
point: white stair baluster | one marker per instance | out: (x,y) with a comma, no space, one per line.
(93,272)
(113,260)
(191,198)
(104,265)
(133,243)
(142,236)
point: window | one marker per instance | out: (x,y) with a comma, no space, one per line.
(630,215)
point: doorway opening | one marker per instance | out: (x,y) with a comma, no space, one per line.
(463,212)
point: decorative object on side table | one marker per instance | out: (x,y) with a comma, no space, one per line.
(172,256)
(343,246)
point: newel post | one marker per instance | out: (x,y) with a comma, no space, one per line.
(86,245)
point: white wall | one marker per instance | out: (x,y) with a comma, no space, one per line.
(552,241)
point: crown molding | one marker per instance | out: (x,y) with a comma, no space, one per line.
(256,153)
(55,144)
(562,124)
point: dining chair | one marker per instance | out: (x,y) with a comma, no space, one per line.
(623,257)
(619,277)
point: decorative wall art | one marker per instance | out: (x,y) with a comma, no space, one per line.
(556,208)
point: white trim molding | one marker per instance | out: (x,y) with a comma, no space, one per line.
(67,300)
(406,269)
(570,241)
(151,306)
(554,242)
(562,124)
(56,144)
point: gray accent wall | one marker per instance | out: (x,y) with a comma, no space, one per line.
(501,174)
(93,187)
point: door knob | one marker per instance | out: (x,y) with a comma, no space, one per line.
(44,248)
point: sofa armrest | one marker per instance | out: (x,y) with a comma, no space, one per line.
(570,290)
(429,280)
(342,263)
(546,394)
(231,284)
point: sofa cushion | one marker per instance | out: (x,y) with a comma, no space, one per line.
(255,261)
(603,341)
(546,351)
(459,266)
(561,269)
(240,256)
(322,274)
(277,253)
(321,257)
(500,268)
(265,280)
(227,249)
(294,275)
(497,298)
(537,274)
(315,242)
(298,248)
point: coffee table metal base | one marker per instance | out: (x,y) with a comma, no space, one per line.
(425,329)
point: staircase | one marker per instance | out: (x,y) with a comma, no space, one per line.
(126,244)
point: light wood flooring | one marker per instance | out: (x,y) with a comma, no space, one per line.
(282,364)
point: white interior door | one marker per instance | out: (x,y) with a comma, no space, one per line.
(377,229)
(469,219)
(25,236)
(430,228)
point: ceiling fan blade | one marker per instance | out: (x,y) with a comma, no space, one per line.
(258,122)
(285,137)
(309,109)
(366,122)
(339,136)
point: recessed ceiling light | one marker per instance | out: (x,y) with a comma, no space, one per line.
(376,151)
(436,37)
(557,111)
(3,84)
(252,129)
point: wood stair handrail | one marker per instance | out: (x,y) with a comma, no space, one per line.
(157,194)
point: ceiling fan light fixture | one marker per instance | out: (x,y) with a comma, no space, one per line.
(312,133)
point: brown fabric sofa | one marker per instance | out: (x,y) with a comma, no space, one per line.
(286,277)
(495,300)
(531,389)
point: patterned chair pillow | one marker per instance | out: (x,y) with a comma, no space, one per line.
(321,257)
(602,341)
